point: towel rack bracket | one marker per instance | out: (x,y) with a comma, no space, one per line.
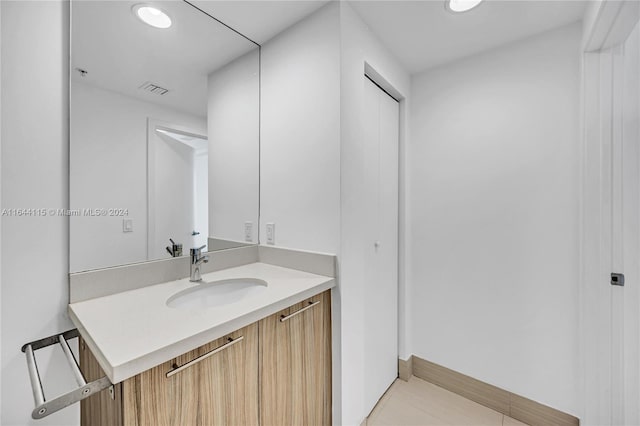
(43,407)
(70,398)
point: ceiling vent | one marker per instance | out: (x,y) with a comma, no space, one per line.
(154,88)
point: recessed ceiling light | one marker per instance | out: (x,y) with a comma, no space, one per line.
(151,15)
(458,6)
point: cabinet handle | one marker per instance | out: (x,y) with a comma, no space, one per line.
(284,318)
(205,356)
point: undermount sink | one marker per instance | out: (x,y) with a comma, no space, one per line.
(216,293)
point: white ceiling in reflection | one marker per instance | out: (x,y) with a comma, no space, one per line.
(121,53)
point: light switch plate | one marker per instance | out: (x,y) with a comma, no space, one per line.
(271,233)
(248,232)
(127,225)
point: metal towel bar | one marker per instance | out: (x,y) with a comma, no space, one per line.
(44,407)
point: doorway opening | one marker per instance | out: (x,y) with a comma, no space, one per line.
(177,187)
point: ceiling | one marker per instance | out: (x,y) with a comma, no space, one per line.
(120,53)
(259,20)
(422,34)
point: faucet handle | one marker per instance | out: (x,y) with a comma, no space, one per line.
(175,250)
(197,250)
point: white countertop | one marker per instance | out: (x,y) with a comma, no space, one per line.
(135,330)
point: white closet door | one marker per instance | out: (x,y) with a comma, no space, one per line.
(381,123)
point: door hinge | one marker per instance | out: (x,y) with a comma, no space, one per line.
(617,279)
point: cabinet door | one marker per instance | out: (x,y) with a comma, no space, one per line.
(221,389)
(295,354)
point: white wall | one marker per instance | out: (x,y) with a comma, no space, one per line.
(34,174)
(494,194)
(234,148)
(108,170)
(300,134)
(359,46)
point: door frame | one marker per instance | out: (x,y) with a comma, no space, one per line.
(152,126)
(605,342)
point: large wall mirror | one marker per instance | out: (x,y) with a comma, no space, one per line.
(164,147)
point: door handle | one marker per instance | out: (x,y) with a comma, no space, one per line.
(284,318)
(194,361)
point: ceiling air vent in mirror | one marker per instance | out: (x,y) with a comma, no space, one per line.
(148,86)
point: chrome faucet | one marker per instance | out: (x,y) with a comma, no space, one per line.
(196,260)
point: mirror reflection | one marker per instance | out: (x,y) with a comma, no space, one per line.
(164,133)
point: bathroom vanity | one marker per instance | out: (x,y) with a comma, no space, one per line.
(271,372)
(261,358)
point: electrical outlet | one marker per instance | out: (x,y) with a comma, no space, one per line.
(271,233)
(127,225)
(248,232)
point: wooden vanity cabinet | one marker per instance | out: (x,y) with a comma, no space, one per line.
(103,408)
(295,364)
(274,372)
(221,389)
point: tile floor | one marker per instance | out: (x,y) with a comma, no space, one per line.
(418,402)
